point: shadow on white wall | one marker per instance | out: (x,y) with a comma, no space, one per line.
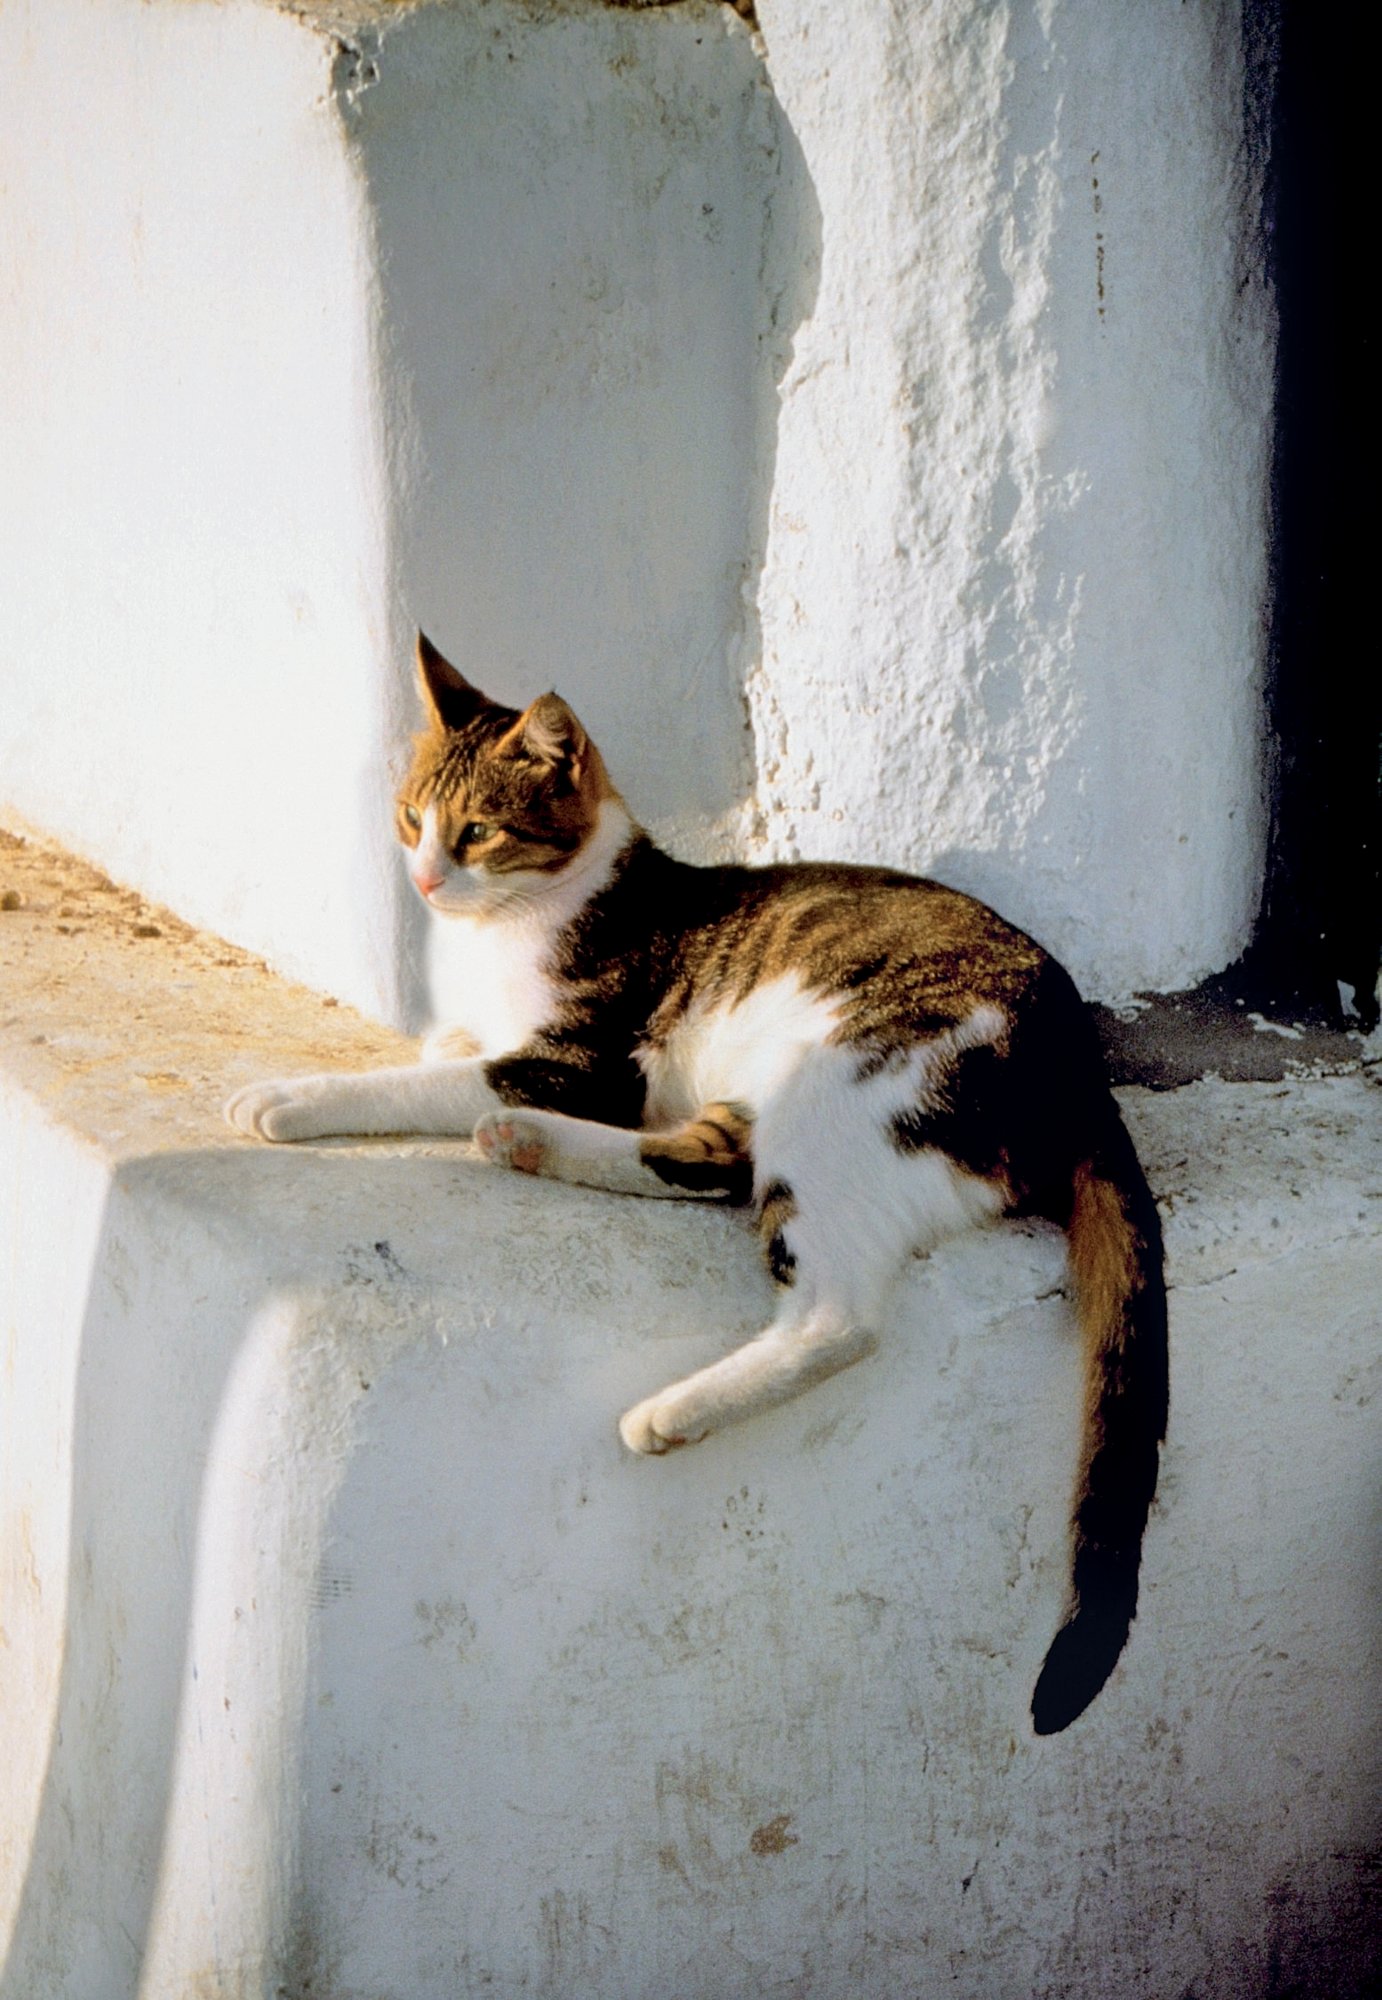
(587,317)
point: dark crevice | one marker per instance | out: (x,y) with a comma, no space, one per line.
(1320,924)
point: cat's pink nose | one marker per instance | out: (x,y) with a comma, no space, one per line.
(426,881)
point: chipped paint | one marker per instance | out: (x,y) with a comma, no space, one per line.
(773,1837)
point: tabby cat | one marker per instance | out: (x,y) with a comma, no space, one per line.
(874,1061)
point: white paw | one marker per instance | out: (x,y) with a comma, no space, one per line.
(661,1423)
(289,1108)
(506,1139)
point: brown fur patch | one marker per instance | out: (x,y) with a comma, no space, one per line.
(1117,1267)
(1112,1261)
(719,1132)
(1115,1260)
(1103,1258)
(710,1150)
(779,1207)
(903,959)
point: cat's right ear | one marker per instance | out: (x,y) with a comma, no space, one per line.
(447,695)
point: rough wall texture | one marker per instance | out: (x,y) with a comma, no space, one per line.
(918,397)
(863,423)
(572,209)
(1013,589)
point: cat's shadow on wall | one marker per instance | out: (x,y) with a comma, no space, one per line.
(592,320)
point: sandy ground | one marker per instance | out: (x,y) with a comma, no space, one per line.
(192,1017)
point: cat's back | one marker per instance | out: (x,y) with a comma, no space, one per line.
(760,965)
(880,943)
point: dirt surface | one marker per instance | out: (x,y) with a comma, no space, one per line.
(135,1027)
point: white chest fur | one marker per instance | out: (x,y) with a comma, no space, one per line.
(492,972)
(492,979)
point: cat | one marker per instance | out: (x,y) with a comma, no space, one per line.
(873,1060)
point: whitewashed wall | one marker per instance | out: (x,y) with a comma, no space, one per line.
(348,1653)
(875,489)
(194,535)
(877,483)
(1013,591)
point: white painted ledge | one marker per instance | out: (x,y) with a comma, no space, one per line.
(346,1652)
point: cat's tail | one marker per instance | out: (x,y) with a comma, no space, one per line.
(1120,1297)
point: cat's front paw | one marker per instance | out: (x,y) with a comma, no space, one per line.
(659,1424)
(286,1109)
(506,1139)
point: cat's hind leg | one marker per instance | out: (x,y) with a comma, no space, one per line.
(798,1350)
(707,1157)
(830,1304)
(842,1204)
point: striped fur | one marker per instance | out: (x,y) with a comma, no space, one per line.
(777,1209)
(872,1060)
(709,1154)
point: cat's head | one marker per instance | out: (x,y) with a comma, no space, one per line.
(499,806)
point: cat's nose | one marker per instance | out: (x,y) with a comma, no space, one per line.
(426,881)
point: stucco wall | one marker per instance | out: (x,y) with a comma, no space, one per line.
(1013,589)
(194,535)
(875,482)
(874,491)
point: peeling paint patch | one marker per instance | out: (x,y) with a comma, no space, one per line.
(773,1838)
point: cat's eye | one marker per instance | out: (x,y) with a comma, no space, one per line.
(476,830)
(413,818)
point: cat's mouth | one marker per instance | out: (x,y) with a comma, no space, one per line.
(467,893)
(445,893)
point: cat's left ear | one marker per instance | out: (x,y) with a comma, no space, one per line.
(549,733)
(447,695)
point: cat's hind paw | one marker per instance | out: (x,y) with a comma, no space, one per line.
(657,1425)
(508,1140)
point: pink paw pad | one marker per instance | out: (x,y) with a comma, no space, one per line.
(509,1143)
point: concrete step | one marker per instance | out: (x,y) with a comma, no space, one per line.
(346,1652)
